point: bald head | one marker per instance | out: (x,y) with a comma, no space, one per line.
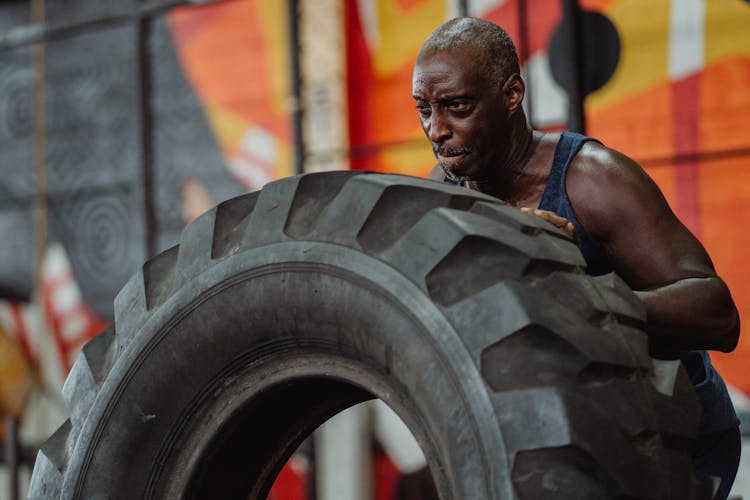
(485,42)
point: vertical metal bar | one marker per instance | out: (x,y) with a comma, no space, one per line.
(463,8)
(523,54)
(576,117)
(145,81)
(296,84)
(11,455)
(39,140)
(311,487)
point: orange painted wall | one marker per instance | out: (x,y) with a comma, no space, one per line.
(236,56)
(691,134)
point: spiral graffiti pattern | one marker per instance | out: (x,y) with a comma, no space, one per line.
(15,104)
(104,233)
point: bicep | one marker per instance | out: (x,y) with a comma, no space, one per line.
(657,250)
(647,244)
(687,304)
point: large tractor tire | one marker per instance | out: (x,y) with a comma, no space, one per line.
(520,376)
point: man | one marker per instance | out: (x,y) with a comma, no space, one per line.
(468,92)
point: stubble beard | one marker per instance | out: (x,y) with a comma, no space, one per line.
(450,168)
(447,170)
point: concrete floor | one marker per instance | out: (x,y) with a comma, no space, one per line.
(741,486)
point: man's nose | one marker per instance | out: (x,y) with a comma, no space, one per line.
(439,127)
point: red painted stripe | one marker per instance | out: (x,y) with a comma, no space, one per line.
(289,485)
(543,18)
(360,77)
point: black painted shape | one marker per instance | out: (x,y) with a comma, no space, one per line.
(185,145)
(94,177)
(599,56)
(16,182)
(93,173)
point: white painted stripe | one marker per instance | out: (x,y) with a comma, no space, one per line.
(687,21)
(368,18)
(342,456)
(452,9)
(480,8)
(396,438)
(548,100)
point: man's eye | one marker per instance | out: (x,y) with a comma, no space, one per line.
(458,106)
(423,109)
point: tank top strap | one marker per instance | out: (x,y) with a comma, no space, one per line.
(567,147)
(448,180)
(555,199)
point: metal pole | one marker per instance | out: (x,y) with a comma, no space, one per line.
(523,54)
(576,117)
(145,80)
(39,140)
(38,30)
(11,455)
(296,85)
(463,8)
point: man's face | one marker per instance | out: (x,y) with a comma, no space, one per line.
(462,114)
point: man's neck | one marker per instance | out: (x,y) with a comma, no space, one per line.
(504,183)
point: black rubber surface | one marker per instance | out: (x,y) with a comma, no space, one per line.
(519,375)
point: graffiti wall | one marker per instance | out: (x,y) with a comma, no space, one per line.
(235,55)
(117,128)
(664,83)
(677,103)
(121,128)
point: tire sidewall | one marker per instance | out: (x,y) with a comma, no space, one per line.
(222,330)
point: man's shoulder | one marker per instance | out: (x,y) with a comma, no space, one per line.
(603,182)
(599,162)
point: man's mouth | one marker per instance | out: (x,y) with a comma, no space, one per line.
(450,155)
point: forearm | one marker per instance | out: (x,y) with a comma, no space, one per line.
(696,313)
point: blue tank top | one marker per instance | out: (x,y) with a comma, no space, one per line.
(555,199)
(717,413)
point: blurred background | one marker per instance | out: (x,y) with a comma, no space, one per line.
(122,121)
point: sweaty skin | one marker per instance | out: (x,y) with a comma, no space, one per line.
(480,136)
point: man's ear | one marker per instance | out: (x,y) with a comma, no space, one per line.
(513,91)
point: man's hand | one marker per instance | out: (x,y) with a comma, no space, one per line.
(554,219)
